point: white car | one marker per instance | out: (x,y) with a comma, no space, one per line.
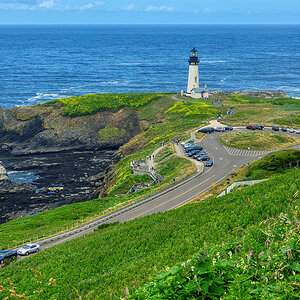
(291,130)
(219,129)
(297,131)
(29,248)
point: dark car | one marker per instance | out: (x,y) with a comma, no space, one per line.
(259,127)
(228,128)
(193,152)
(7,254)
(209,163)
(275,128)
(203,157)
(283,129)
(251,127)
(207,130)
(198,154)
(194,147)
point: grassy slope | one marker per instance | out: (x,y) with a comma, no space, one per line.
(92,103)
(267,112)
(258,140)
(101,265)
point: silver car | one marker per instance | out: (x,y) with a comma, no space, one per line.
(292,130)
(219,129)
(29,248)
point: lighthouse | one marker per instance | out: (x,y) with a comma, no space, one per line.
(193,80)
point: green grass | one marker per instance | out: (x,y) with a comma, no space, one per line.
(106,263)
(175,167)
(273,164)
(22,229)
(93,103)
(250,268)
(267,112)
(258,140)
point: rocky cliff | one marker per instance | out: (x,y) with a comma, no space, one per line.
(41,129)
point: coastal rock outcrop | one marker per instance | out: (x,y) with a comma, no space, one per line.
(43,129)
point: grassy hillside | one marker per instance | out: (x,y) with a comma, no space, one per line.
(92,103)
(258,140)
(114,261)
(268,112)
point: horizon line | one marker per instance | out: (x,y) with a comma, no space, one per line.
(155,24)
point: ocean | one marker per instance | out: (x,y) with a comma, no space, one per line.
(39,63)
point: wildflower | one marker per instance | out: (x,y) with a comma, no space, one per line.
(237,247)
(267,242)
(249,255)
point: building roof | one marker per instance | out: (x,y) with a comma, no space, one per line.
(198,90)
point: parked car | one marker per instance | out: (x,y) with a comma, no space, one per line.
(7,254)
(198,154)
(275,128)
(220,129)
(259,127)
(188,144)
(203,157)
(297,131)
(283,129)
(191,153)
(251,127)
(292,130)
(206,130)
(194,147)
(29,248)
(209,163)
(228,128)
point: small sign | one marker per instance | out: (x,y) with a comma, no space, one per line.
(213,184)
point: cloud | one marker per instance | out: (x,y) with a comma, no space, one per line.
(47,4)
(207,10)
(16,6)
(159,8)
(86,6)
(129,7)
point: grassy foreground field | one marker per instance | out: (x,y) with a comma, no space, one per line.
(258,140)
(114,261)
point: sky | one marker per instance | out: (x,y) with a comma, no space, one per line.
(149,11)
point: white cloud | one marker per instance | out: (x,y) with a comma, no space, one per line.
(129,7)
(16,6)
(207,10)
(159,8)
(47,4)
(86,6)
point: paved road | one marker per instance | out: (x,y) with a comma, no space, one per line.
(225,162)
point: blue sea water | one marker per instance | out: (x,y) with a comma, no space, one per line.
(38,63)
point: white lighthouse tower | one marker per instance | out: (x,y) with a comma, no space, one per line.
(193,81)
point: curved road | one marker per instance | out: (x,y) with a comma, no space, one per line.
(225,162)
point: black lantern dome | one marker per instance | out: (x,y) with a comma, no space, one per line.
(194,57)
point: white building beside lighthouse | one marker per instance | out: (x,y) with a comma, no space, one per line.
(193,89)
